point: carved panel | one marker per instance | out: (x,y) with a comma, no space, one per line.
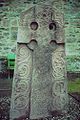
(43,15)
(21,82)
(58,63)
(60,98)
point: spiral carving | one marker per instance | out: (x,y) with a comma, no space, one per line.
(23,53)
(23,69)
(20,102)
(21,82)
(59,102)
(22,86)
(58,65)
(59,87)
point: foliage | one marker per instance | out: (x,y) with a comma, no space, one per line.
(74,86)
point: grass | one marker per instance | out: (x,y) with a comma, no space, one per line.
(74,86)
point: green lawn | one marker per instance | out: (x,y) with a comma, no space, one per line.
(74,86)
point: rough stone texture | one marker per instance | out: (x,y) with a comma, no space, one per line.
(21,82)
(40,64)
(41,98)
(48,85)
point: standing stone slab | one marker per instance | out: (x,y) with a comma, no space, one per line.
(39,84)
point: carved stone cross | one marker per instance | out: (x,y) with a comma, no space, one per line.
(39,84)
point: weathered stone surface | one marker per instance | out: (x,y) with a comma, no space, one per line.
(39,85)
(41,94)
(45,15)
(21,83)
(60,97)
